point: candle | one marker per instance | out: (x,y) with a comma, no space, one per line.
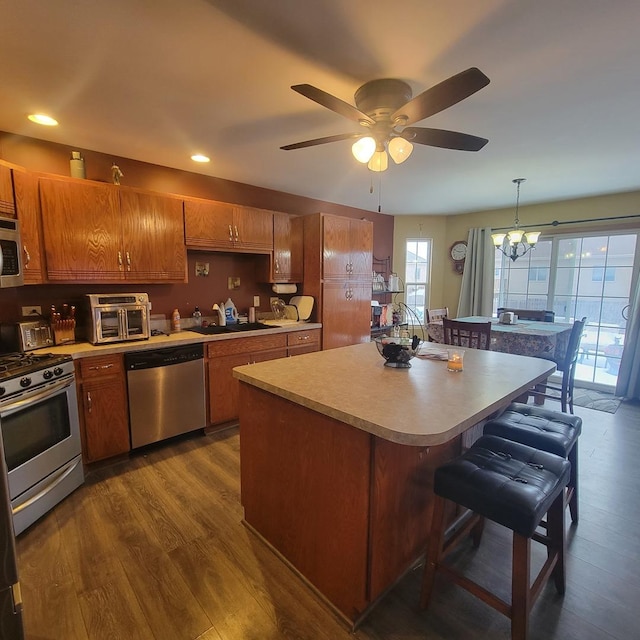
(455,360)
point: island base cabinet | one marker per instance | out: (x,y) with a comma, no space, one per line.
(305,480)
(348,510)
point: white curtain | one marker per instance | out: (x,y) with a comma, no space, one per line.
(476,292)
(628,385)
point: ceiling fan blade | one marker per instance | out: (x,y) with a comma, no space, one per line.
(443,138)
(313,143)
(443,95)
(331,102)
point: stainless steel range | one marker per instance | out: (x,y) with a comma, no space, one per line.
(39,432)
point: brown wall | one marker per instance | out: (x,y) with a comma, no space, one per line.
(38,155)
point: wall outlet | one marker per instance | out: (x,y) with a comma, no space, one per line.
(33,310)
(256,301)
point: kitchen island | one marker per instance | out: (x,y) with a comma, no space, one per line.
(338,452)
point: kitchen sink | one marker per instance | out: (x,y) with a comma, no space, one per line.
(213,329)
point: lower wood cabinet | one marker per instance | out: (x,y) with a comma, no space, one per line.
(223,356)
(104,412)
(303,341)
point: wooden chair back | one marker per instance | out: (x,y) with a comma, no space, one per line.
(475,335)
(433,315)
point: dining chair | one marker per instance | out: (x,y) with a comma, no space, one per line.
(475,335)
(538,315)
(434,315)
(566,366)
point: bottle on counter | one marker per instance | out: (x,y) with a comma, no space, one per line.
(175,320)
(230,312)
(197,317)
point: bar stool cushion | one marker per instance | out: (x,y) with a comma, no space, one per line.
(505,481)
(537,427)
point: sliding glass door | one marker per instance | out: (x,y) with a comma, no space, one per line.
(577,276)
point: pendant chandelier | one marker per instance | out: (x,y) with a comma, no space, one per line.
(516,242)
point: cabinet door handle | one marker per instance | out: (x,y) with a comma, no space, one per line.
(230,234)
(27,257)
(128,262)
(102,366)
(120,260)
(304,337)
(237,236)
(277,267)
(89,402)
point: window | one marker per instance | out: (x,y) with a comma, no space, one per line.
(417,276)
(577,276)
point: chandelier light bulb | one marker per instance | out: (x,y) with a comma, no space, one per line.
(363,149)
(379,161)
(399,149)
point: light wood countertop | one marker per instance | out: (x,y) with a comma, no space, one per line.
(424,405)
(87,350)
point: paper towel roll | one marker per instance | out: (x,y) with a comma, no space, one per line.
(284,288)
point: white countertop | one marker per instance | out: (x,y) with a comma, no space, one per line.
(86,349)
(423,405)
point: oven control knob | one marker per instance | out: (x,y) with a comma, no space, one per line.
(25,382)
(58,371)
(2,391)
(48,374)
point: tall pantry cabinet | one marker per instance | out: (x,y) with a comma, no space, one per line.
(338,255)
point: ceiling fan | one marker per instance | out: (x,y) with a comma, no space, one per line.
(385,107)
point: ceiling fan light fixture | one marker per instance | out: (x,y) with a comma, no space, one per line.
(363,149)
(379,161)
(399,149)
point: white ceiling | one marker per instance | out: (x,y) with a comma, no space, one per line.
(157,80)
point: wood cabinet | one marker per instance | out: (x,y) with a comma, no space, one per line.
(223,356)
(220,226)
(7,204)
(306,341)
(153,236)
(287,248)
(28,210)
(338,254)
(99,232)
(103,407)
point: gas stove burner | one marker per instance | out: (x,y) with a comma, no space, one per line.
(14,364)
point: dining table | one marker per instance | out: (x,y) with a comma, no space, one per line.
(547,340)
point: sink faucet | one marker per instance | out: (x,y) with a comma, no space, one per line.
(222,321)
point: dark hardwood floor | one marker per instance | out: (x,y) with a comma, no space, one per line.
(153,548)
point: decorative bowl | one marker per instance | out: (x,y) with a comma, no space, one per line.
(397,351)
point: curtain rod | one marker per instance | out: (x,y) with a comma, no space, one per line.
(556,223)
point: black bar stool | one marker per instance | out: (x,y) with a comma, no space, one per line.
(551,431)
(515,486)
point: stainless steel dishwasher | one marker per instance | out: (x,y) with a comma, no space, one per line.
(167,394)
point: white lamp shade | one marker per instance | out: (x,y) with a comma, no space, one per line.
(515,236)
(379,161)
(532,237)
(363,149)
(399,149)
(498,238)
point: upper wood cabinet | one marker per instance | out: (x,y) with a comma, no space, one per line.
(220,226)
(100,232)
(347,246)
(7,204)
(27,207)
(153,236)
(286,262)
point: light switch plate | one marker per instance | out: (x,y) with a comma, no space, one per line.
(33,310)
(256,301)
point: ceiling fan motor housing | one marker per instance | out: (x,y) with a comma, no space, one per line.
(381,98)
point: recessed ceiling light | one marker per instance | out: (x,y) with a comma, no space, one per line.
(198,157)
(40,118)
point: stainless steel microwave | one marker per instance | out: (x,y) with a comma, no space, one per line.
(11,274)
(114,317)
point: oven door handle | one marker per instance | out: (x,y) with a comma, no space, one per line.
(65,472)
(54,389)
